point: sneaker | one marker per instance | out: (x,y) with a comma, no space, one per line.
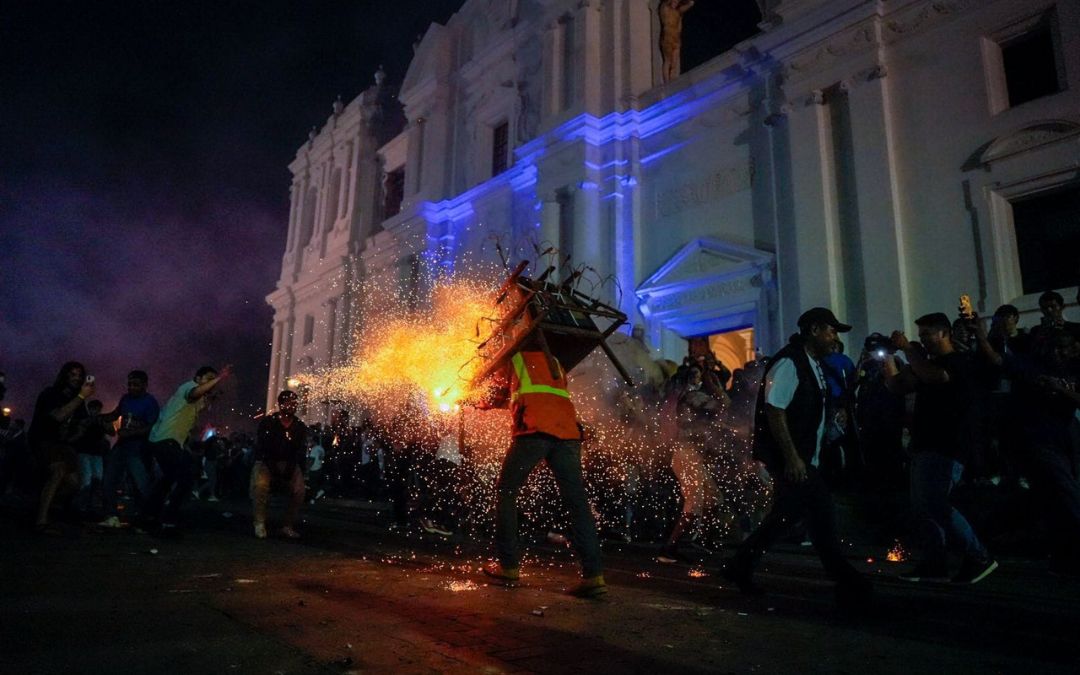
(974,571)
(590,587)
(289,532)
(195,495)
(669,555)
(743,580)
(926,572)
(260,530)
(112,522)
(495,570)
(557,539)
(430,527)
(213,498)
(320,494)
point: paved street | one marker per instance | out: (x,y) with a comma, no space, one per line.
(349,597)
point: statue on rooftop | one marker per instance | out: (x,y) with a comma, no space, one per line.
(671,17)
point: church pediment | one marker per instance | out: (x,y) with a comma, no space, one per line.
(704,260)
(708,286)
(1029,138)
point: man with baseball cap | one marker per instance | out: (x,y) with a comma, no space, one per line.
(789,427)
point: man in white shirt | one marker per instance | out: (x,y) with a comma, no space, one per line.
(788,432)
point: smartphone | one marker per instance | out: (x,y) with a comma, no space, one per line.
(89,379)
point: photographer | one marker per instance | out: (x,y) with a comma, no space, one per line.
(1052,306)
(57,413)
(879,415)
(945,387)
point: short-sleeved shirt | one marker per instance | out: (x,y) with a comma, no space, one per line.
(316,454)
(141,409)
(276,444)
(45,429)
(178,416)
(942,421)
(838,372)
(780,388)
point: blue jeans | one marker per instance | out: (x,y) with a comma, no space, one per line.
(564,460)
(933,478)
(124,456)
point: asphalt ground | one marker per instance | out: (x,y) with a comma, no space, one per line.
(353,597)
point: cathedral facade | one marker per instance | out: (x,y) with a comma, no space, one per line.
(876,157)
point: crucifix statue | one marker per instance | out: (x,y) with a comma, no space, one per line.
(671,12)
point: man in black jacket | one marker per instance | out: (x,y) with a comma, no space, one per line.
(788,429)
(280,454)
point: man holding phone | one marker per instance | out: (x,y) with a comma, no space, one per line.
(57,412)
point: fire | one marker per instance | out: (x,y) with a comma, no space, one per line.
(429,356)
(896,553)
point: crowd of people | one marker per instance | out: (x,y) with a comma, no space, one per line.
(970,401)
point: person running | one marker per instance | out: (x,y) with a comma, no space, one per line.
(545,429)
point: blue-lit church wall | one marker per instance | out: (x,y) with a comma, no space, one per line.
(858,155)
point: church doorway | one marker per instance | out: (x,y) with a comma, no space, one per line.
(732,348)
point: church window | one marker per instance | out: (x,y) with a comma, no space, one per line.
(1023,62)
(309,329)
(1047,238)
(500,148)
(393,193)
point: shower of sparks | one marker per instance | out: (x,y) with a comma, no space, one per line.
(896,553)
(459,585)
(410,372)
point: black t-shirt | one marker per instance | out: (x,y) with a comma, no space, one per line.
(45,429)
(274,443)
(943,417)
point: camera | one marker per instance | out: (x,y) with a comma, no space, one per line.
(878,346)
(89,379)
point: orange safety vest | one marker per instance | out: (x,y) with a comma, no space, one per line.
(539,403)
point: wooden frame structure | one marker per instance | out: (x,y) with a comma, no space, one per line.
(561,318)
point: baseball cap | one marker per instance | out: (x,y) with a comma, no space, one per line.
(823,315)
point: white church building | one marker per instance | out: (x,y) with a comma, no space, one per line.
(876,157)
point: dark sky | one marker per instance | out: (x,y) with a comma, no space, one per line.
(143,175)
(143,171)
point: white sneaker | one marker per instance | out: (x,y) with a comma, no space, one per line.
(260,530)
(113,522)
(213,498)
(290,533)
(319,494)
(195,495)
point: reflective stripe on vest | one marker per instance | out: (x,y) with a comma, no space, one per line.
(525,383)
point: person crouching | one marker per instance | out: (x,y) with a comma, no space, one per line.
(280,454)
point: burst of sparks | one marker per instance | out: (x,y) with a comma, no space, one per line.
(409,372)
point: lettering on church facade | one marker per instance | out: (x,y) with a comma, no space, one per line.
(694,193)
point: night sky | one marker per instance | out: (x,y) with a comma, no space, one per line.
(143,176)
(143,173)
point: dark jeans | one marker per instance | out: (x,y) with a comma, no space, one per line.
(933,478)
(792,502)
(124,456)
(178,468)
(564,460)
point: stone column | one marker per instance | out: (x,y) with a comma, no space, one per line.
(275,365)
(811,234)
(549,221)
(880,220)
